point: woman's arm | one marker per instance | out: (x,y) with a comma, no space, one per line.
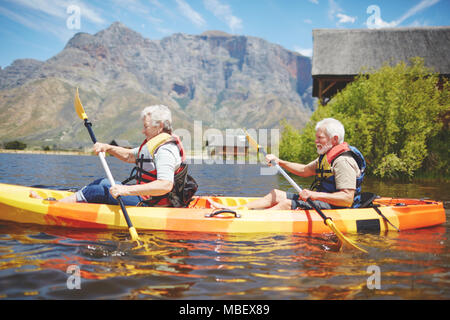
(120,153)
(154,188)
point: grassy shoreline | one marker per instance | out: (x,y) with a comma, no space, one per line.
(61,152)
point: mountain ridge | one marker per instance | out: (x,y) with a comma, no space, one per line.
(223,80)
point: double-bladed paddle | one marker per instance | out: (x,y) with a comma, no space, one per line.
(82,114)
(326,219)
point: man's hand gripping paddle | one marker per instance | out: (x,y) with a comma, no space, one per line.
(326,219)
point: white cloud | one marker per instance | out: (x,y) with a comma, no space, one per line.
(417,23)
(90,14)
(416,9)
(375,21)
(335,11)
(304,52)
(156,3)
(190,13)
(345,19)
(224,12)
(133,6)
(18,18)
(57,9)
(380,23)
(314,1)
(50,16)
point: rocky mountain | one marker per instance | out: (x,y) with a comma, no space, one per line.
(226,81)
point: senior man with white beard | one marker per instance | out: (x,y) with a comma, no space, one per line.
(339,171)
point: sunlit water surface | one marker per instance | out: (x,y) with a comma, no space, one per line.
(36,261)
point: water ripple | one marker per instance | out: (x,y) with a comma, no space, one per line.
(34,260)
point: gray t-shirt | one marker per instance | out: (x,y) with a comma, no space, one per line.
(167,160)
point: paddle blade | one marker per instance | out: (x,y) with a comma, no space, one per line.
(133,234)
(341,237)
(79,107)
(252,141)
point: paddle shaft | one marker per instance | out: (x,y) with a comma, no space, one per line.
(296,186)
(101,155)
(326,220)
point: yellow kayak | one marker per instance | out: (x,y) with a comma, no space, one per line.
(16,205)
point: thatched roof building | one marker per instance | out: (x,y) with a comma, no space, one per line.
(340,54)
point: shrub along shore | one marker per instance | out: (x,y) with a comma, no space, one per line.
(397,116)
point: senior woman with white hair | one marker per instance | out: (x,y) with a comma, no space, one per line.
(160,171)
(339,172)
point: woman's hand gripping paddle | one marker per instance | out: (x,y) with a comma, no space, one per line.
(326,219)
(82,114)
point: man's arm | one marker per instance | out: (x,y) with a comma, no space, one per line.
(302,170)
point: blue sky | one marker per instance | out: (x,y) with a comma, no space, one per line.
(40,29)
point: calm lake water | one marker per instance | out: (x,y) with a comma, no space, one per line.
(34,260)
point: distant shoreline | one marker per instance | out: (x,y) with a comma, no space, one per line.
(79,153)
(74,153)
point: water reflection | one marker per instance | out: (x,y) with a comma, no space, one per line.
(190,265)
(181,265)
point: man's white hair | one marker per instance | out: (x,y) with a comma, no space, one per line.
(159,114)
(332,127)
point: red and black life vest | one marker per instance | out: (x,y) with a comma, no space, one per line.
(176,197)
(325,179)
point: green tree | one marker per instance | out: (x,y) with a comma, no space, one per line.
(396,116)
(15,145)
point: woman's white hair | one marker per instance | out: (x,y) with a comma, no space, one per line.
(332,127)
(159,114)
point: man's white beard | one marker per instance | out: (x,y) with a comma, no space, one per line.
(322,149)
